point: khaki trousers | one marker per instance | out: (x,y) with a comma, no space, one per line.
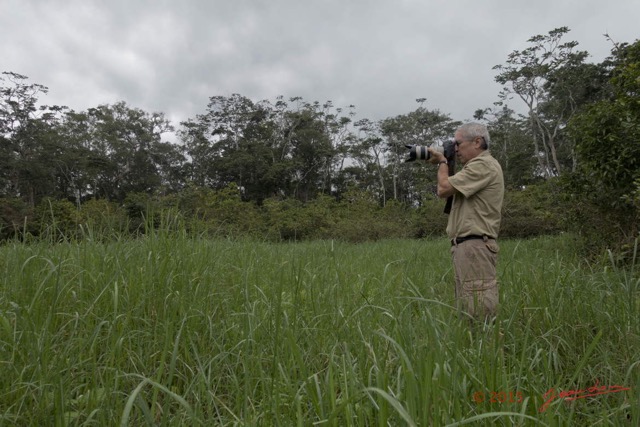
(474,263)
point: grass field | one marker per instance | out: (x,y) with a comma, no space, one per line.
(168,330)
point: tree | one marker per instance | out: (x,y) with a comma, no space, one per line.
(571,88)
(112,150)
(511,145)
(369,169)
(606,134)
(608,131)
(339,129)
(538,75)
(312,152)
(239,141)
(419,127)
(267,149)
(28,144)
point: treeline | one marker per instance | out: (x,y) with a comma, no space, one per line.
(291,169)
(356,217)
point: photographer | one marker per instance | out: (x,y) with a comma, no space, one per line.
(474,221)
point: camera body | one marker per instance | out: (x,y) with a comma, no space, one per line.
(420,152)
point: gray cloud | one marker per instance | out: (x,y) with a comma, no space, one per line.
(379,55)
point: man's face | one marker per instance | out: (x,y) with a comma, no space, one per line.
(467,149)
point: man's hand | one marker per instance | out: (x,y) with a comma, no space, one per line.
(444,188)
(436,156)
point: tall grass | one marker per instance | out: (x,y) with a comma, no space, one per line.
(172,330)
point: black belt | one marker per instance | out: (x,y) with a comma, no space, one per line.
(458,240)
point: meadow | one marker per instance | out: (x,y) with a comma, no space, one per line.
(174,330)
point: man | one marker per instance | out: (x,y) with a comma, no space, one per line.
(474,221)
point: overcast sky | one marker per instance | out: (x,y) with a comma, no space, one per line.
(379,55)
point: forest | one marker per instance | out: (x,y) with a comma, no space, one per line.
(291,169)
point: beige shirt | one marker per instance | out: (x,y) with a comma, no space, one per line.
(477,203)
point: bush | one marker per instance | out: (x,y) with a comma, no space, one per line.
(605,186)
(358,217)
(533,211)
(57,220)
(142,212)
(102,219)
(599,225)
(285,220)
(15,215)
(430,219)
(321,215)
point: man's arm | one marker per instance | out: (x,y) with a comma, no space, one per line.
(445,189)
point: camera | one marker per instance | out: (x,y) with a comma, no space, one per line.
(420,152)
(448,148)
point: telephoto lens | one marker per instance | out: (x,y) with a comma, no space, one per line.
(420,152)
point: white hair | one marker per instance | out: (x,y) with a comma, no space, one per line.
(472,130)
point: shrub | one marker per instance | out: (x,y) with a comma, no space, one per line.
(599,225)
(219,212)
(101,219)
(57,220)
(285,219)
(533,211)
(15,215)
(430,219)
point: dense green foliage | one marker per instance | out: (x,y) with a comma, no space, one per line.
(356,217)
(169,330)
(607,135)
(291,169)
